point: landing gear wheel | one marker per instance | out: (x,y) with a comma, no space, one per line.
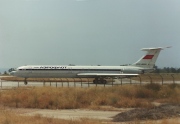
(99,81)
(25,82)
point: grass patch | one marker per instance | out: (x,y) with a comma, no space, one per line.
(73,98)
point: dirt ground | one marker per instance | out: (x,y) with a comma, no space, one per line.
(156,113)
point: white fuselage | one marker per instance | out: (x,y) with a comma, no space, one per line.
(43,71)
(143,65)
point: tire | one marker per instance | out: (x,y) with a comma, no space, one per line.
(25,82)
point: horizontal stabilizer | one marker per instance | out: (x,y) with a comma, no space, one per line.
(157,48)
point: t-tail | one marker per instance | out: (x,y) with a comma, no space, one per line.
(149,60)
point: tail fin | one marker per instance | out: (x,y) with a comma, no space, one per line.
(148,61)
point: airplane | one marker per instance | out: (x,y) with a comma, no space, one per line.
(145,64)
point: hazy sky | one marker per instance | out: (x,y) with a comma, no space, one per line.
(87,32)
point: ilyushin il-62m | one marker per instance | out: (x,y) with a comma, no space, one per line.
(99,73)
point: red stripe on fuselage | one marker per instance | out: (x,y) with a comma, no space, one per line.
(148,57)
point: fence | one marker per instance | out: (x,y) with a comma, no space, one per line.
(87,82)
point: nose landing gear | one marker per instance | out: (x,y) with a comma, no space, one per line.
(25,81)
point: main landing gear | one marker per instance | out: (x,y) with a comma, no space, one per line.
(99,81)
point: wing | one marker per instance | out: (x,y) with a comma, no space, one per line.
(106,75)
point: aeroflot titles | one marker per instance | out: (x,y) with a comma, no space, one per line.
(48,67)
(53,67)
